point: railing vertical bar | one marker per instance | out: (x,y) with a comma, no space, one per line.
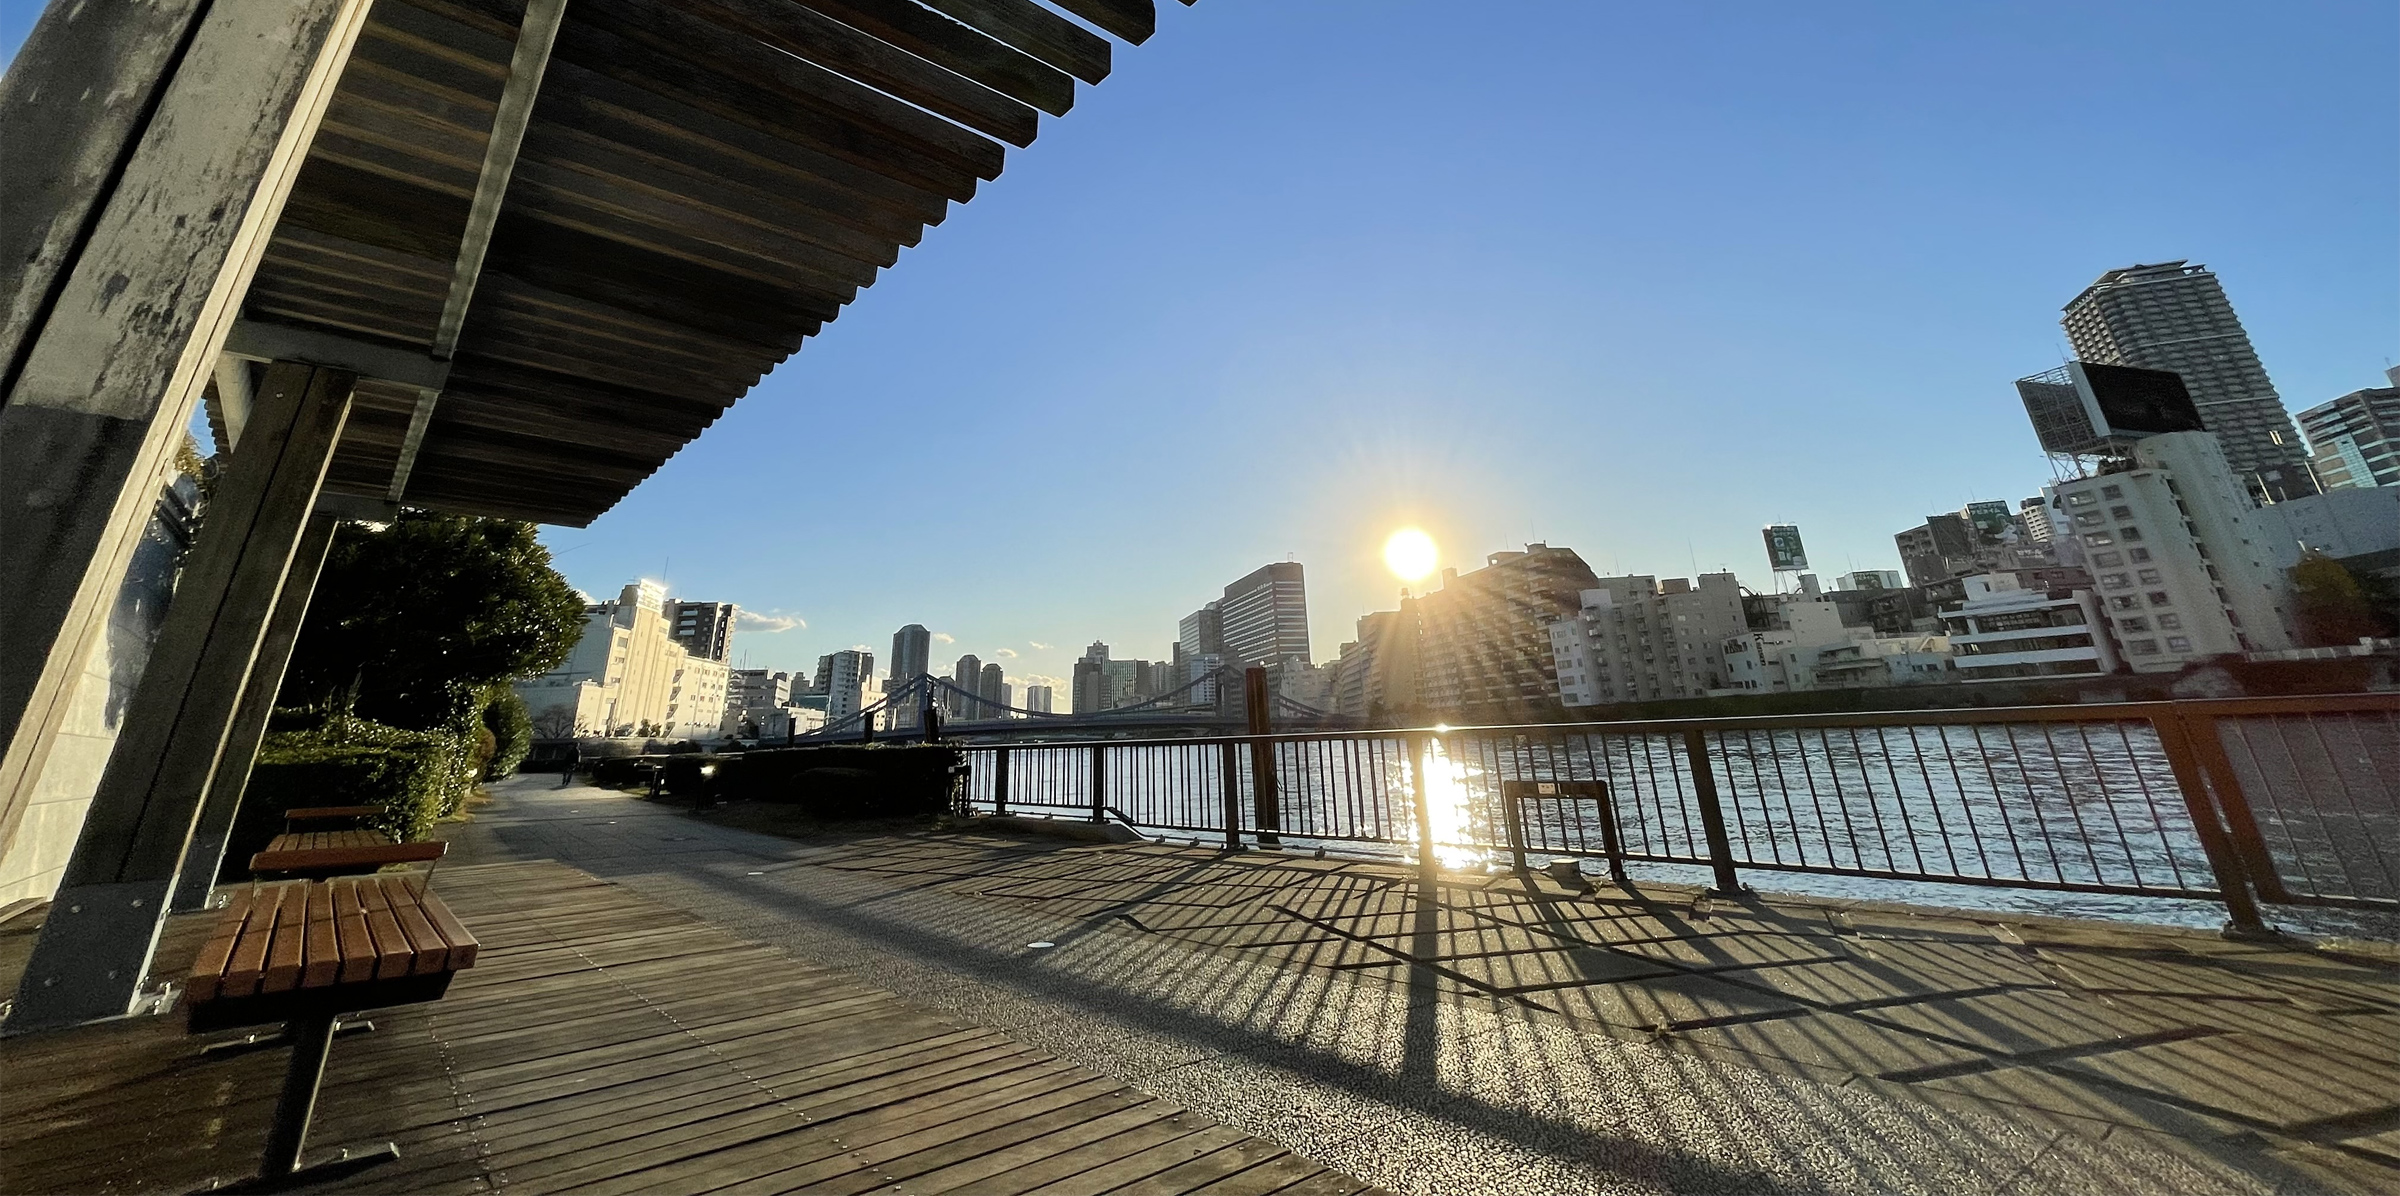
(2158,818)
(1908,825)
(1000,780)
(1712,819)
(2083,832)
(2108,800)
(1933,800)
(2358,817)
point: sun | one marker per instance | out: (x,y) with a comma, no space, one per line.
(1410,554)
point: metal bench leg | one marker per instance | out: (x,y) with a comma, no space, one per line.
(312,1039)
(270,1039)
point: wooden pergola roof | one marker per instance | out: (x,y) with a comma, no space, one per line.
(699,186)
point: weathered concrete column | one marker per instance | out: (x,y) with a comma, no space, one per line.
(95,948)
(141,204)
(232,775)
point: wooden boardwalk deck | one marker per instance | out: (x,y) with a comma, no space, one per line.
(607,1044)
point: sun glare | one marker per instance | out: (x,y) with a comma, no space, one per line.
(1410,554)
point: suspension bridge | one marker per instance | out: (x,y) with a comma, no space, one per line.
(1216,702)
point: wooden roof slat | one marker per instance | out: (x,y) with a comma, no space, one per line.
(512,337)
(727,251)
(344,201)
(556,258)
(390,265)
(672,183)
(961,48)
(1133,20)
(805,33)
(766,188)
(386,157)
(304,277)
(662,49)
(565,425)
(1037,31)
(436,53)
(512,293)
(267,298)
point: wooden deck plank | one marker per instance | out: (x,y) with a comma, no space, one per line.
(606,1044)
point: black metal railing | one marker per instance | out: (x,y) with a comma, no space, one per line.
(2290,800)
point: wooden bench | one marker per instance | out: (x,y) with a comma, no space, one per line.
(303,952)
(316,855)
(308,816)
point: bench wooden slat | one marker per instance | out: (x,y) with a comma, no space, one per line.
(323,964)
(208,969)
(289,948)
(324,813)
(393,951)
(250,950)
(463,946)
(350,920)
(431,952)
(363,856)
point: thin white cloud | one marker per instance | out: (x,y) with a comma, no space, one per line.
(944,637)
(1039,679)
(1039,645)
(1010,653)
(767,622)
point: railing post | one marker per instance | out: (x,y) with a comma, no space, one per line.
(1263,792)
(1512,817)
(1609,840)
(2240,909)
(1429,865)
(1712,816)
(2241,823)
(1230,763)
(999,781)
(1100,782)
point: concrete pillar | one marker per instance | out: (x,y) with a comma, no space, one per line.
(95,948)
(225,785)
(141,206)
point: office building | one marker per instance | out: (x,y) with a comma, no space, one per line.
(846,674)
(910,648)
(1870,579)
(2345,522)
(993,689)
(1088,687)
(2003,631)
(1201,633)
(1640,639)
(1977,538)
(966,700)
(749,688)
(1483,640)
(2186,566)
(1038,699)
(704,629)
(1263,618)
(2174,316)
(2356,438)
(2033,514)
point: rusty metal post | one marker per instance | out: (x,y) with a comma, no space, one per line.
(2233,886)
(1512,818)
(1230,762)
(1712,815)
(999,781)
(1265,797)
(2241,823)
(1099,782)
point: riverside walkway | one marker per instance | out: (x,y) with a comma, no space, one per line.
(1334,1027)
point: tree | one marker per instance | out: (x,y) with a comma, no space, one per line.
(418,618)
(2334,606)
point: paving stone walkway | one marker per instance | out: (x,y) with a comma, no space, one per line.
(1508,1035)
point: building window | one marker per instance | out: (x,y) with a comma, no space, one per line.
(2169,622)
(2159,598)
(2106,560)
(2142,647)
(2110,492)
(2087,518)
(2136,555)
(2120,512)
(2116,581)
(2130,533)
(2098,539)
(2132,624)
(2081,498)
(2149,577)
(2124,602)
(2177,643)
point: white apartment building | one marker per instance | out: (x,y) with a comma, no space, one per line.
(846,683)
(1638,639)
(626,673)
(1815,650)
(2187,566)
(2004,631)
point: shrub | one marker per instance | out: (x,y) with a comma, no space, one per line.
(512,733)
(417,778)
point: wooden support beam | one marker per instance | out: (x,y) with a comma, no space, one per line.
(94,950)
(252,340)
(224,794)
(526,65)
(110,375)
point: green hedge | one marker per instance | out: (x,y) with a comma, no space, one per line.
(512,732)
(416,777)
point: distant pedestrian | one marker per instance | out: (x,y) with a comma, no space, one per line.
(574,761)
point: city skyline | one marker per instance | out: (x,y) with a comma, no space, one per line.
(1734,223)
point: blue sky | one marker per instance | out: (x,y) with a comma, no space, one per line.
(1630,278)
